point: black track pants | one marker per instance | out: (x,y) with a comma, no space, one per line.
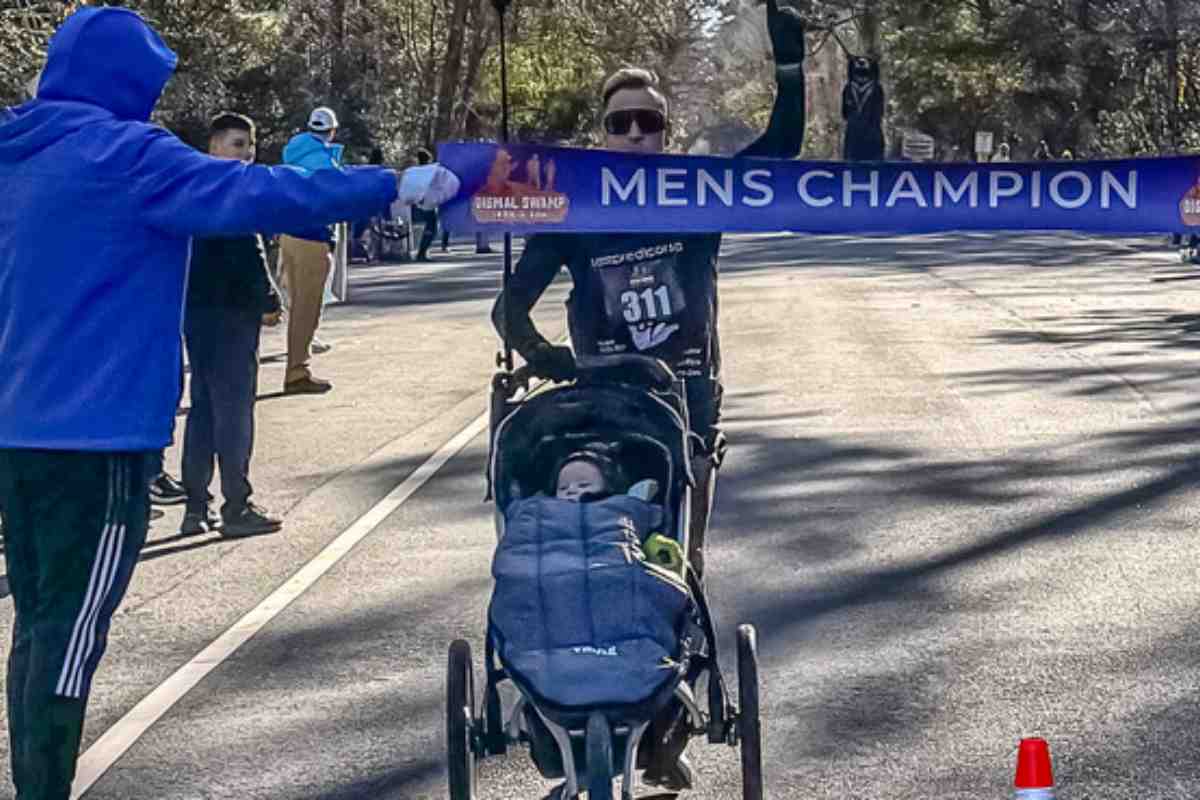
(74,524)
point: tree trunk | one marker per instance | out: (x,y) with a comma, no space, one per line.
(482,24)
(1173,83)
(868,28)
(429,76)
(451,69)
(987,15)
(337,56)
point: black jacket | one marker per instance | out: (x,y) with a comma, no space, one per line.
(231,273)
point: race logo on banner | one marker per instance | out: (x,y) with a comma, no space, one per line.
(505,199)
(527,189)
(1189,206)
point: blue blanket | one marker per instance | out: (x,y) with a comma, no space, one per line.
(577,614)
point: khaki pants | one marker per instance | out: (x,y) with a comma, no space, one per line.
(305,266)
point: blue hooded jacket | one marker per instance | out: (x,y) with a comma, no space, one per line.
(95,233)
(309,153)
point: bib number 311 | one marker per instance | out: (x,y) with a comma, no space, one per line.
(647,305)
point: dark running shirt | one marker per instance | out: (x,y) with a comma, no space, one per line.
(653,294)
(230,273)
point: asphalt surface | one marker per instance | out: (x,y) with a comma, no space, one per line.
(960,506)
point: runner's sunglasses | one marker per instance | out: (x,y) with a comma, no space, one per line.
(649,120)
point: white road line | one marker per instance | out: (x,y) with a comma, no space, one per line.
(121,736)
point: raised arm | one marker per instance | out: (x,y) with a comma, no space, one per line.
(784,136)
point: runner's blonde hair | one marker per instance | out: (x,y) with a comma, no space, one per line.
(634,78)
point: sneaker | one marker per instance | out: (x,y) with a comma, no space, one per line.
(166,491)
(309,385)
(198,522)
(319,347)
(250,521)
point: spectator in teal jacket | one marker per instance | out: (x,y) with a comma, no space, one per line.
(314,149)
(306,258)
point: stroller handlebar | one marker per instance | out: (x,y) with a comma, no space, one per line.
(641,370)
(627,368)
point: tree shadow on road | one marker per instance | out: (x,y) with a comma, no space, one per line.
(399,782)
(1153,328)
(179,543)
(816,506)
(876,254)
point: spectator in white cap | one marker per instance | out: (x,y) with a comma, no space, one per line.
(306,260)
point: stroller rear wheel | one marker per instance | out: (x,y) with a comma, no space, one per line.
(599,758)
(460,721)
(748,723)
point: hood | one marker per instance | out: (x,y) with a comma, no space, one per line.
(303,145)
(107,57)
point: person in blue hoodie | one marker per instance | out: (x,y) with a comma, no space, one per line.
(95,234)
(307,258)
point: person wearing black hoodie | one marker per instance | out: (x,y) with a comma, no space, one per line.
(228,300)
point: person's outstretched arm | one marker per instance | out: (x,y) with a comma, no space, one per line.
(186,193)
(784,136)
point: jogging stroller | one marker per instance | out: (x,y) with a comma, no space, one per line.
(597,638)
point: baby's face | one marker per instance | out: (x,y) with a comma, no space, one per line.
(578,478)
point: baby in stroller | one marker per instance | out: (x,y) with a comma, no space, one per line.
(590,473)
(594,473)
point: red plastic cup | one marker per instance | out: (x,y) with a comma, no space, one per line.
(1033,765)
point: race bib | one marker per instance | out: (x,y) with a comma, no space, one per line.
(642,293)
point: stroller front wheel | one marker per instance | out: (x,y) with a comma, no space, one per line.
(460,721)
(749,726)
(599,758)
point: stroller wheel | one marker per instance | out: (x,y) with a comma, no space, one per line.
(748,724)
(460,721)
(599,758)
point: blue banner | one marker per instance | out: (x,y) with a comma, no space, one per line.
(530,189)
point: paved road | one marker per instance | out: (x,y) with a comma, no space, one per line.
(961,507)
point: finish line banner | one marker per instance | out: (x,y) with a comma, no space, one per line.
(532,189)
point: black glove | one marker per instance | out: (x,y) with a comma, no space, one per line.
(555,363)
(787,33)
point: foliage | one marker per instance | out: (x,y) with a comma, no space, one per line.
(25,26)
(1100,77)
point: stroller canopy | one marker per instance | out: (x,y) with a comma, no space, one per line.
(649,433)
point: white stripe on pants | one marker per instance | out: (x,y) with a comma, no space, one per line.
(104,570)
